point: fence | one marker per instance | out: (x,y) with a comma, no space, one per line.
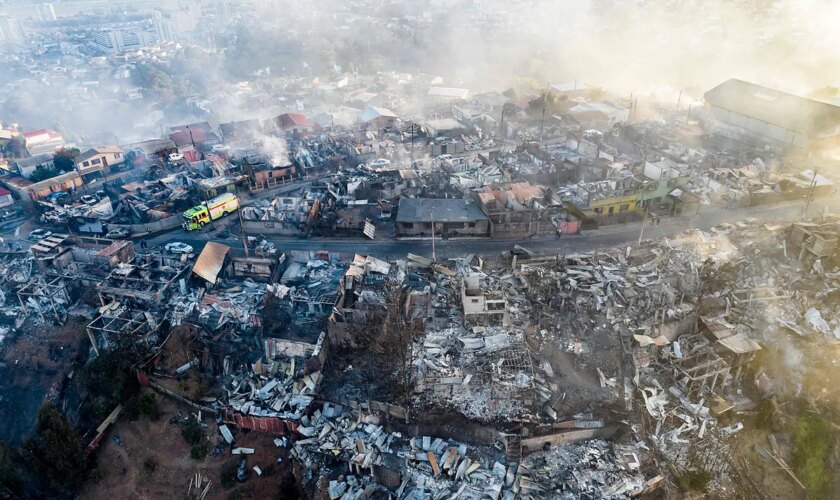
(392,410)
(177,397)
(271,183)
(150,227)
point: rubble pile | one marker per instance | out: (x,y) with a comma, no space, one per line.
(281,392)
(315,280)
(16,270)
(439,468)
(485,373)
(590,470)
(239,306)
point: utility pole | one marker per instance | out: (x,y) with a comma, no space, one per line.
(502,127)
(810,194)
(679,98)
(433,239)
(242,233)
(191,137)
(542,125)
(642,231)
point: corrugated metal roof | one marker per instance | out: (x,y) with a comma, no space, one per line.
(781,109)
(113,248)
(740,344)
(211,260)
(438,210)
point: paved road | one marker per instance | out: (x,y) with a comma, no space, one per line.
(619,235)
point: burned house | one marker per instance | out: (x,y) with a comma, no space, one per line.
(117,320)
(215,186)
(362,304)
(148,280)
(480,305)
(287,215)
(523,209)
(313,283)
(50,295)
(604,202)
(810,242)
(267,176)
(445,127)
(445,217)
(342,218)
(383,185)
(664,188)
(240,133)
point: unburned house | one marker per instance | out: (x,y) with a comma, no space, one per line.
(293,124)
(446,217)
(97,162)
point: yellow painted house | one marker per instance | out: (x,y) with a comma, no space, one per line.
(614,205)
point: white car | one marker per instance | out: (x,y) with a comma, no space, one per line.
(177,247)
(218,148)
(173,157)
(88,200)
(382,162)
(444,157)
(39,234)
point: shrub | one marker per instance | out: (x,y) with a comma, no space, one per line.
(198,451)
(812,438)
(228,479)
(695,480)
(148,406)
(192,432)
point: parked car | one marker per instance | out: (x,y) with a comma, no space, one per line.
(100,195)
(177,247)
(381,162)
(117,233)
(173,157)
(385,215)
(11,213)
(57,198)
(39,234)
(88,200)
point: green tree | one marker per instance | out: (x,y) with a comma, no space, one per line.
(14,148)
(149,406)
(64,159)
(163,86)
(56,450)
(192,432)
(42,173)
(552,104)
(596,93)
(111,378)
(11,474)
